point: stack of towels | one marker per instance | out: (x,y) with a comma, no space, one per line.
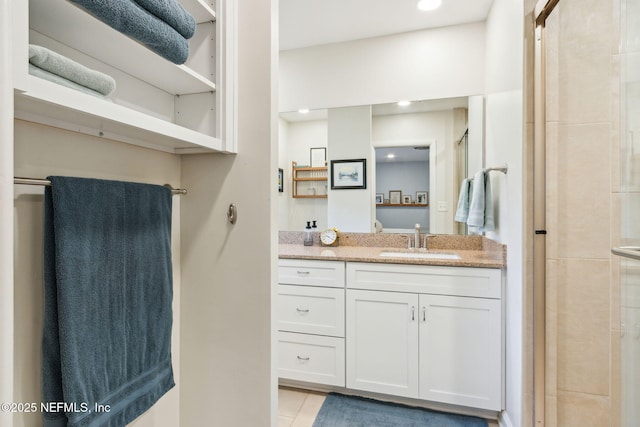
(161,25)
(59,69)
(475,204)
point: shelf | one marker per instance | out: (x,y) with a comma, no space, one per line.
(311,175)
(94,116)
(310,179)
(96,39)
(178,109)
(402,205)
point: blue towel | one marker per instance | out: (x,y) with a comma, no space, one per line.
(137,23)
(462,211)
(171,12)
(70,70)
(481,205)
(106,355)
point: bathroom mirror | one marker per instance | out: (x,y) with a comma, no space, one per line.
(438,128)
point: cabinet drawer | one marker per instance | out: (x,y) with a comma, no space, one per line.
(311,358)
(310,309)
(426,279)
(311,272)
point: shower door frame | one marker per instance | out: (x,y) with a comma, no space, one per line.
(542,10)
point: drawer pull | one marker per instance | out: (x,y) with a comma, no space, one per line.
(303,273)
(302,310)
(424,314)
(413,313)
(303,358)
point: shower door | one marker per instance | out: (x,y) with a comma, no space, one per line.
(629,211)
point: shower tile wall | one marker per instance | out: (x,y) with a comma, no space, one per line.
(581,46)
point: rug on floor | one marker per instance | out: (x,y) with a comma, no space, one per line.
(339,410)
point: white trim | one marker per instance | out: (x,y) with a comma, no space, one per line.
(6,209)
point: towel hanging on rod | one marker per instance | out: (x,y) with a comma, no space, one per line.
(47,183)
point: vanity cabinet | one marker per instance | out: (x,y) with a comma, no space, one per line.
(310,320)
(414,331)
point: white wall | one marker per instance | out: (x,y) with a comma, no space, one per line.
(296,139)
(351,209)
(227,269)
(41,151)
(438,63)
(504,144)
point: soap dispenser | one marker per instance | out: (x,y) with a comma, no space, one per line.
(308,237)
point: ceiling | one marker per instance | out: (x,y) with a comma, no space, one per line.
(305,23)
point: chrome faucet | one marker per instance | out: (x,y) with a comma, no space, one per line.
(416,237)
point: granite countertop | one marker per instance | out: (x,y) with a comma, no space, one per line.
(474,251)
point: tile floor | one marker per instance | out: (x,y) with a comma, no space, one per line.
(298,408)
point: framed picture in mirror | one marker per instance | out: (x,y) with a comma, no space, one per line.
(422,197)
(379,198)
(395,197)
(406,200)
(318,157)
(348,174)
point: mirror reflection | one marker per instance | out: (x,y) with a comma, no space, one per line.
(428,139)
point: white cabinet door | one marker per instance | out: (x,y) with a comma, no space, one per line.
(382,342)
(460,348)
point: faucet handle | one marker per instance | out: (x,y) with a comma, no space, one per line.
(424,245)
(408,240)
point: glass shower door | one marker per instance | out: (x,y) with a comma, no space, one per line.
(630,211)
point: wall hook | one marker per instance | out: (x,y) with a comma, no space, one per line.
(232,213)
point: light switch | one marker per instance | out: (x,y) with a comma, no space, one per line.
(443,206)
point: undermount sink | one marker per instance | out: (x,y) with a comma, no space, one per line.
(419,254)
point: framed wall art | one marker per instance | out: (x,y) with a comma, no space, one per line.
(348,174)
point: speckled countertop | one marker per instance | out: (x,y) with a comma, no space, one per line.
(474,251)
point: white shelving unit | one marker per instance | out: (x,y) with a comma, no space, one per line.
(180,109)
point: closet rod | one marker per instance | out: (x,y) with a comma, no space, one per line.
(47,183)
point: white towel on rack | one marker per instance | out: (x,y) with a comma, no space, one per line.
(462,211)
(481,205)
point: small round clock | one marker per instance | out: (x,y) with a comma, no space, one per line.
(329,237)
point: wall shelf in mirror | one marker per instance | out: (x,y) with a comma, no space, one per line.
(403,205)
(308,182)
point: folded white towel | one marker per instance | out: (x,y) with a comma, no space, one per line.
(68,69)
(462,211)
(481,205)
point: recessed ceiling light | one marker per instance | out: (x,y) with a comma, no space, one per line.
(403,103)
(427,5)
(390,156)
(303,110)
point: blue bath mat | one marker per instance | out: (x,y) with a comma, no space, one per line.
(339,410)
